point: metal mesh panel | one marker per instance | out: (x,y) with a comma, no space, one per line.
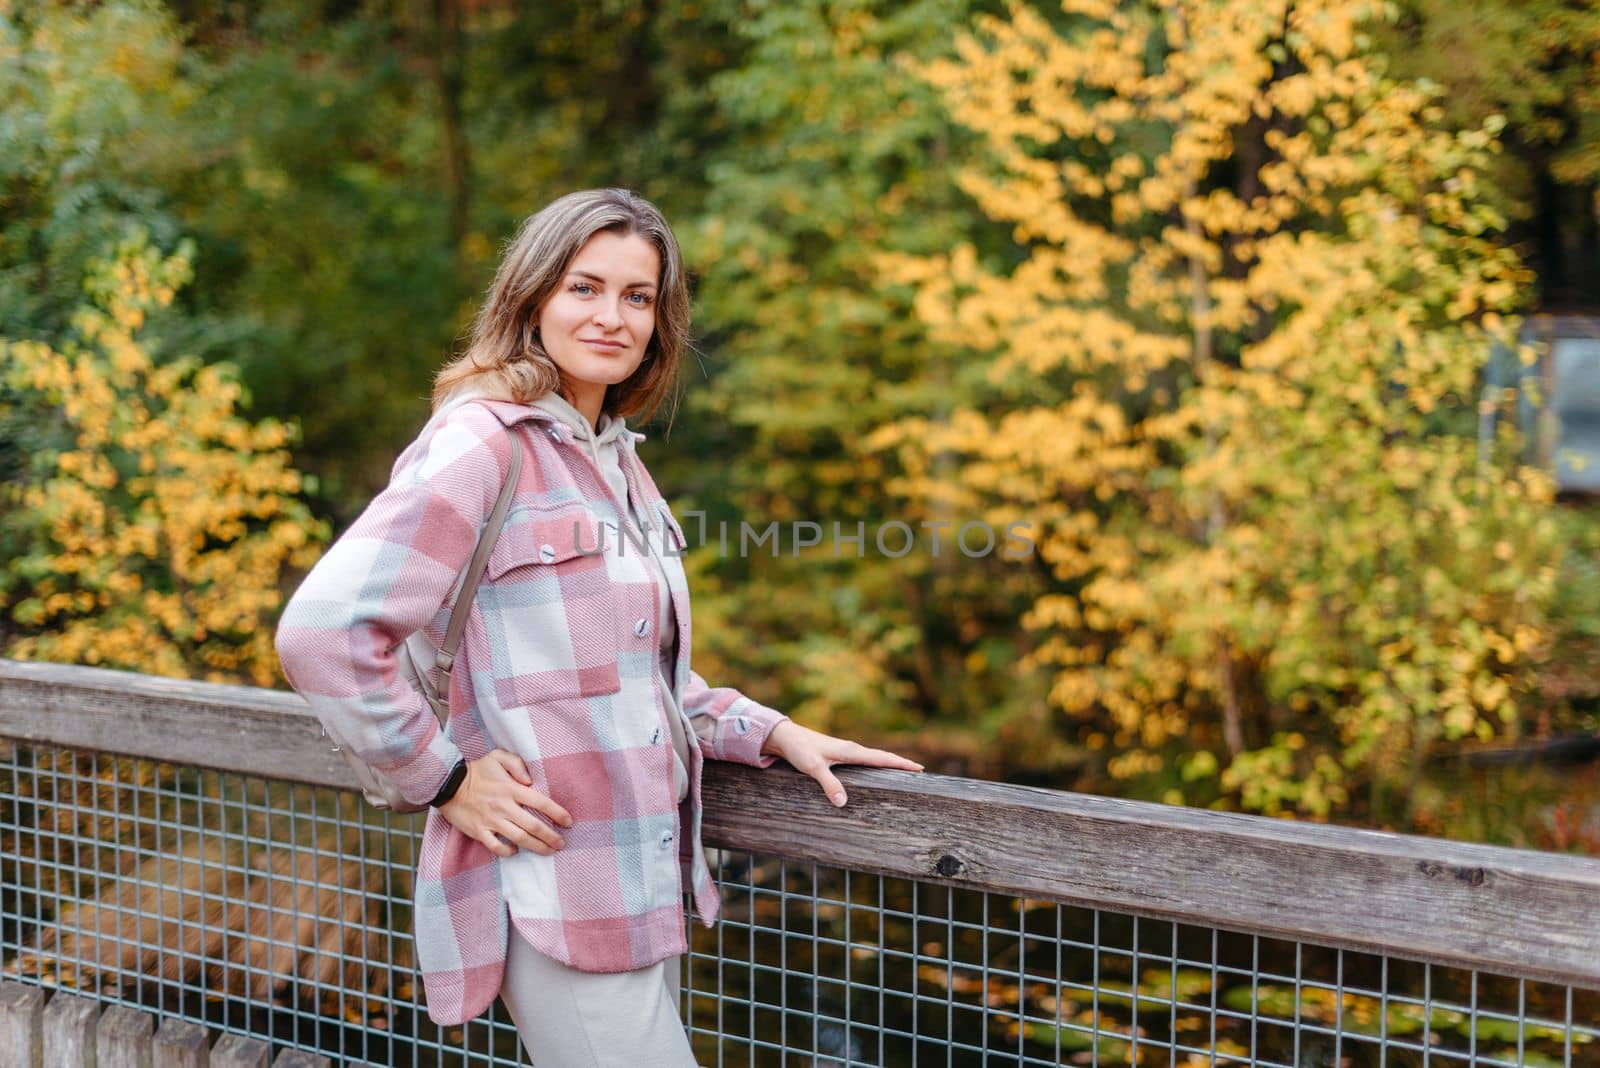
(282,911)
(264,908)
(817,965)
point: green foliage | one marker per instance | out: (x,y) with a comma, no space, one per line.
(1533,62)
(95,98)
(831,151)
(313,185)
(1530,60)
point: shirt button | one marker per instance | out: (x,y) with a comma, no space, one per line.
(547,553)
(666,839)
(655,736)
(641,627)
(554,433)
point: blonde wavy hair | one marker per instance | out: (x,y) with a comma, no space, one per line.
(505,357)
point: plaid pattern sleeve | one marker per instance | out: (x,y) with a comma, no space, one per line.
(385,577)
(729,725)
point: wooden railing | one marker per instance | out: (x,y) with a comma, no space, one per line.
(1516,913)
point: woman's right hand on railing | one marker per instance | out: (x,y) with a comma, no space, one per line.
(492,806)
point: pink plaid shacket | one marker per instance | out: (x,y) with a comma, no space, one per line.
(557,665)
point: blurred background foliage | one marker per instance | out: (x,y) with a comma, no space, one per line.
(1204,305)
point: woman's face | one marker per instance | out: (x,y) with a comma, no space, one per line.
(598,322)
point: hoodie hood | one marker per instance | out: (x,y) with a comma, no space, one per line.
(604,442)
(595,438)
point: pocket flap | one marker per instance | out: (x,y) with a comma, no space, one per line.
(546,539)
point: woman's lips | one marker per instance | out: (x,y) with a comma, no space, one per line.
(610,346)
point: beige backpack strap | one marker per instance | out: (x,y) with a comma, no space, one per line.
(480,559)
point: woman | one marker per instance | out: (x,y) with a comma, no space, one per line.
(578,722)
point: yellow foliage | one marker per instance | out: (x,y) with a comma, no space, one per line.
(155,536)
(1270,541)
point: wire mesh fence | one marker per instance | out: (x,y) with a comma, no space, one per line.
(817,965)
(252,906)
(281,911)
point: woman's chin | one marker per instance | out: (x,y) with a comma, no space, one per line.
(599,372)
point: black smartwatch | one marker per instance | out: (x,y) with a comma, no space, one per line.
(452,783)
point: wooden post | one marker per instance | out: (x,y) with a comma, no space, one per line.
(182,1044)
(237,1051)
(124,1038)
(69,1024)
(21,1018)
(299,1058)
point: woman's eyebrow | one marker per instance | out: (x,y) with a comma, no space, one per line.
(597,278)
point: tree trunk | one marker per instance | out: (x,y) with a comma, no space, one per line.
(1204,363)
(446,55)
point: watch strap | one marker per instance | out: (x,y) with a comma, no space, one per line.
(452,783)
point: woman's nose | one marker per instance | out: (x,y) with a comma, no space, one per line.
(608,316)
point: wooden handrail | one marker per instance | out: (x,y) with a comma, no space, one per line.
(1515,912)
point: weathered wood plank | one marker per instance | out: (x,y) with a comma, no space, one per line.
(124,1038)
(69,1030)
(299,1058)
(1519,912)
(182,1044)
(230,728)
(21,1025)
(237,1051)
(1515,911)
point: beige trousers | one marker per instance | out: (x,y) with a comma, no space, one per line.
(572,1019)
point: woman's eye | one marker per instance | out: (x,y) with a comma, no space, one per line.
(582,287)
(643,298)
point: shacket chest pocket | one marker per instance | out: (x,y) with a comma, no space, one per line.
(550,610)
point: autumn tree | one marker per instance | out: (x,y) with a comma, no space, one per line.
(1234,374)
(830,149)
(149,525)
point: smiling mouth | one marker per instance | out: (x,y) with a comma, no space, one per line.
(602,344)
